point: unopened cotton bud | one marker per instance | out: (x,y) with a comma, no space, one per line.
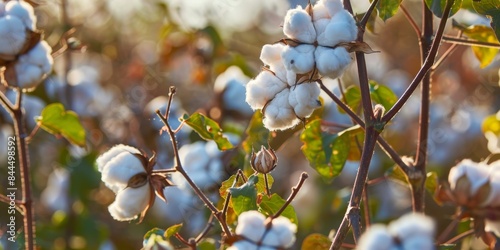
(299,59)
(278,114)
(264,161)
(298,25)
(332,62)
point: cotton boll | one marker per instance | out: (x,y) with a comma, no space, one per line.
(284,232)
(118,171)
(412,225)
(129,203)
(298,25)
(304,99)
(103,159)
(320,26)
(262,89)
(23,11)
(342,28)
(244,245)
(493,199)
(376,238)
(251,225)
(332,62)
(320,12)
(333,6)
(271,53)
(279,115)
(492,226)
(493,141)
(12,35)
(418,242)
(231,83)
(33,66)
(299,59)
(55,195)
(476,173)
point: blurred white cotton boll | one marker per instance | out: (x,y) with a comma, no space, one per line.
(477,174)
(412,225)
(332,62)
(262,89)
(284,233)
(376,238)
(244,245)
(55,195)
(33,66)
(251,225)
(493,142)
(202,163)
(12,35)
(298,25)
(492,226)
(299,59)
(231,83)
(23,11)
(279,114)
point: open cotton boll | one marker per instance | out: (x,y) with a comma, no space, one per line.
(129,203)
(298,25)
(320,12)
(333,6)
(342,28)
(244,245)
(279,115)
(304,99)
(118,171)
(320,26)
(332,62)
(412,225)
(282,233)
(493,141)
(299,59)
(23,11)
(262,89)
(376,238)
(251,225)
(12,35)
(493,199)
(418,242)
(271,53)
(477,174)
(112,153)
(33,66)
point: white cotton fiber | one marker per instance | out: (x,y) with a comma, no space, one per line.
(298,25)
(22,10)
(12,35)
(279,115)
(262,89)
(304,99)
(299,59)
(332,62)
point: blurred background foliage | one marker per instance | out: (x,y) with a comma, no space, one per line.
(122,57)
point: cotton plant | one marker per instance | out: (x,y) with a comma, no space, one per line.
(26,57)
(318,40)
(409,232)
(255,232)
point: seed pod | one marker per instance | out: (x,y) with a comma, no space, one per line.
(264,161)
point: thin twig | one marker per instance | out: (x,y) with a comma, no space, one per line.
(366,207)
(161,171)
(429,61)
(207,228)
(7,200)
(268,191)
(460,236)
(442,237)
(411,20)
(447,53)
(6,103)
(181,170)
(290,198)
(33,133)
(470,42)
(184,241)
(228,195)
(367,15)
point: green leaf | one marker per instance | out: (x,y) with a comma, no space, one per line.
(432,182)
(154,231)
(172,230)
(483,34)
(490,8)
(387,8)
(257,134)
(261,185)
(206,244)
(491,124)
(397,174)
(326,153)
(351,97)
(316,242)
(382,95)
(244,198)
(271,205)
(437,7)
(208,129)
(57,121)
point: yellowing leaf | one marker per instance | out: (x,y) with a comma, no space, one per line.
(57,121)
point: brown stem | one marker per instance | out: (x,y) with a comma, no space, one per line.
(268,191)
(442,237)
(228,195)
(429,61)
(447,53)
(290,198)
(410,20)
(469,42)
(207,228)
(367,15)
(33,133)
(162,171)
(460,236)
(366,206)
(352,214)
(181,170)
(67,56)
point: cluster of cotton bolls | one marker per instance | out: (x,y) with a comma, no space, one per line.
(410,232)
(477,186)
(259,233)
(286,91)
(27,58)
